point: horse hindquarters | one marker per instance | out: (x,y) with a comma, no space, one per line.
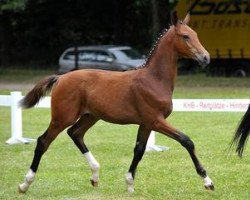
(64,113)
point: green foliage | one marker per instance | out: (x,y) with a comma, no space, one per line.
(12,5)
(41,30)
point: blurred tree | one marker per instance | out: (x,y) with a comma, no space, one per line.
(8,9)
(37,31)
(12,5)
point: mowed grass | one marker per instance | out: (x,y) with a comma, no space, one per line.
(64,173)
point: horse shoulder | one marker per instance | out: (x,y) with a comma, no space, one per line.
(151,97)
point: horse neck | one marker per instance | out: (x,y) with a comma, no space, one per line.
(163,64)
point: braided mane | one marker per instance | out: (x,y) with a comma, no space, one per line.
(153,49)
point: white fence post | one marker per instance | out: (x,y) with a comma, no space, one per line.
(16,121)
(151,146)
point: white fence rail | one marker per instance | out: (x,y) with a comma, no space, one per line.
(184,105)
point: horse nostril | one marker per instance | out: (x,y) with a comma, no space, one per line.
(206,59)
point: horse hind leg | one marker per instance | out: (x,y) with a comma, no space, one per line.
(43,143)
(77,132)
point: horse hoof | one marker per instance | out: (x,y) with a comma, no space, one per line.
(208,183)
(131,189)
(20,190)
(94,183)
(209,187)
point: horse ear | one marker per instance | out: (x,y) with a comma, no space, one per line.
(174,18)
(187,19)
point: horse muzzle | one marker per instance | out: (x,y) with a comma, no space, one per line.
(203,59)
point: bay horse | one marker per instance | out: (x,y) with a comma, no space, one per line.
(143,96)
(242,133)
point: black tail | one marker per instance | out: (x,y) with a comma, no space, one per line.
(40,90)
(242,133)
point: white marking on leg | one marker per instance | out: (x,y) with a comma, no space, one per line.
(130,182)
(94,165)
(207,182)
(27,181)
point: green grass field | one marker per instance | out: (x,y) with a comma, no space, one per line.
(64,173)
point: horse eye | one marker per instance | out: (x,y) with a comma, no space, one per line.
(185,37)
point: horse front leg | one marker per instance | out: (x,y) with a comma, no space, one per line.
(140,146)
(164,128)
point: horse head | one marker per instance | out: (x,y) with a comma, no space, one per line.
(186,41)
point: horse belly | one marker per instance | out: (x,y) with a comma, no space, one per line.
(114,107)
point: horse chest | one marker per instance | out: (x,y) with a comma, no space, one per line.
(157,104)
(165,106)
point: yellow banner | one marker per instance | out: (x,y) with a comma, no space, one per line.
(223,26)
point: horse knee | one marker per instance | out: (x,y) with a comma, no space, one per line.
(139,151)
(40,146)
(139,148)
(186,142)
